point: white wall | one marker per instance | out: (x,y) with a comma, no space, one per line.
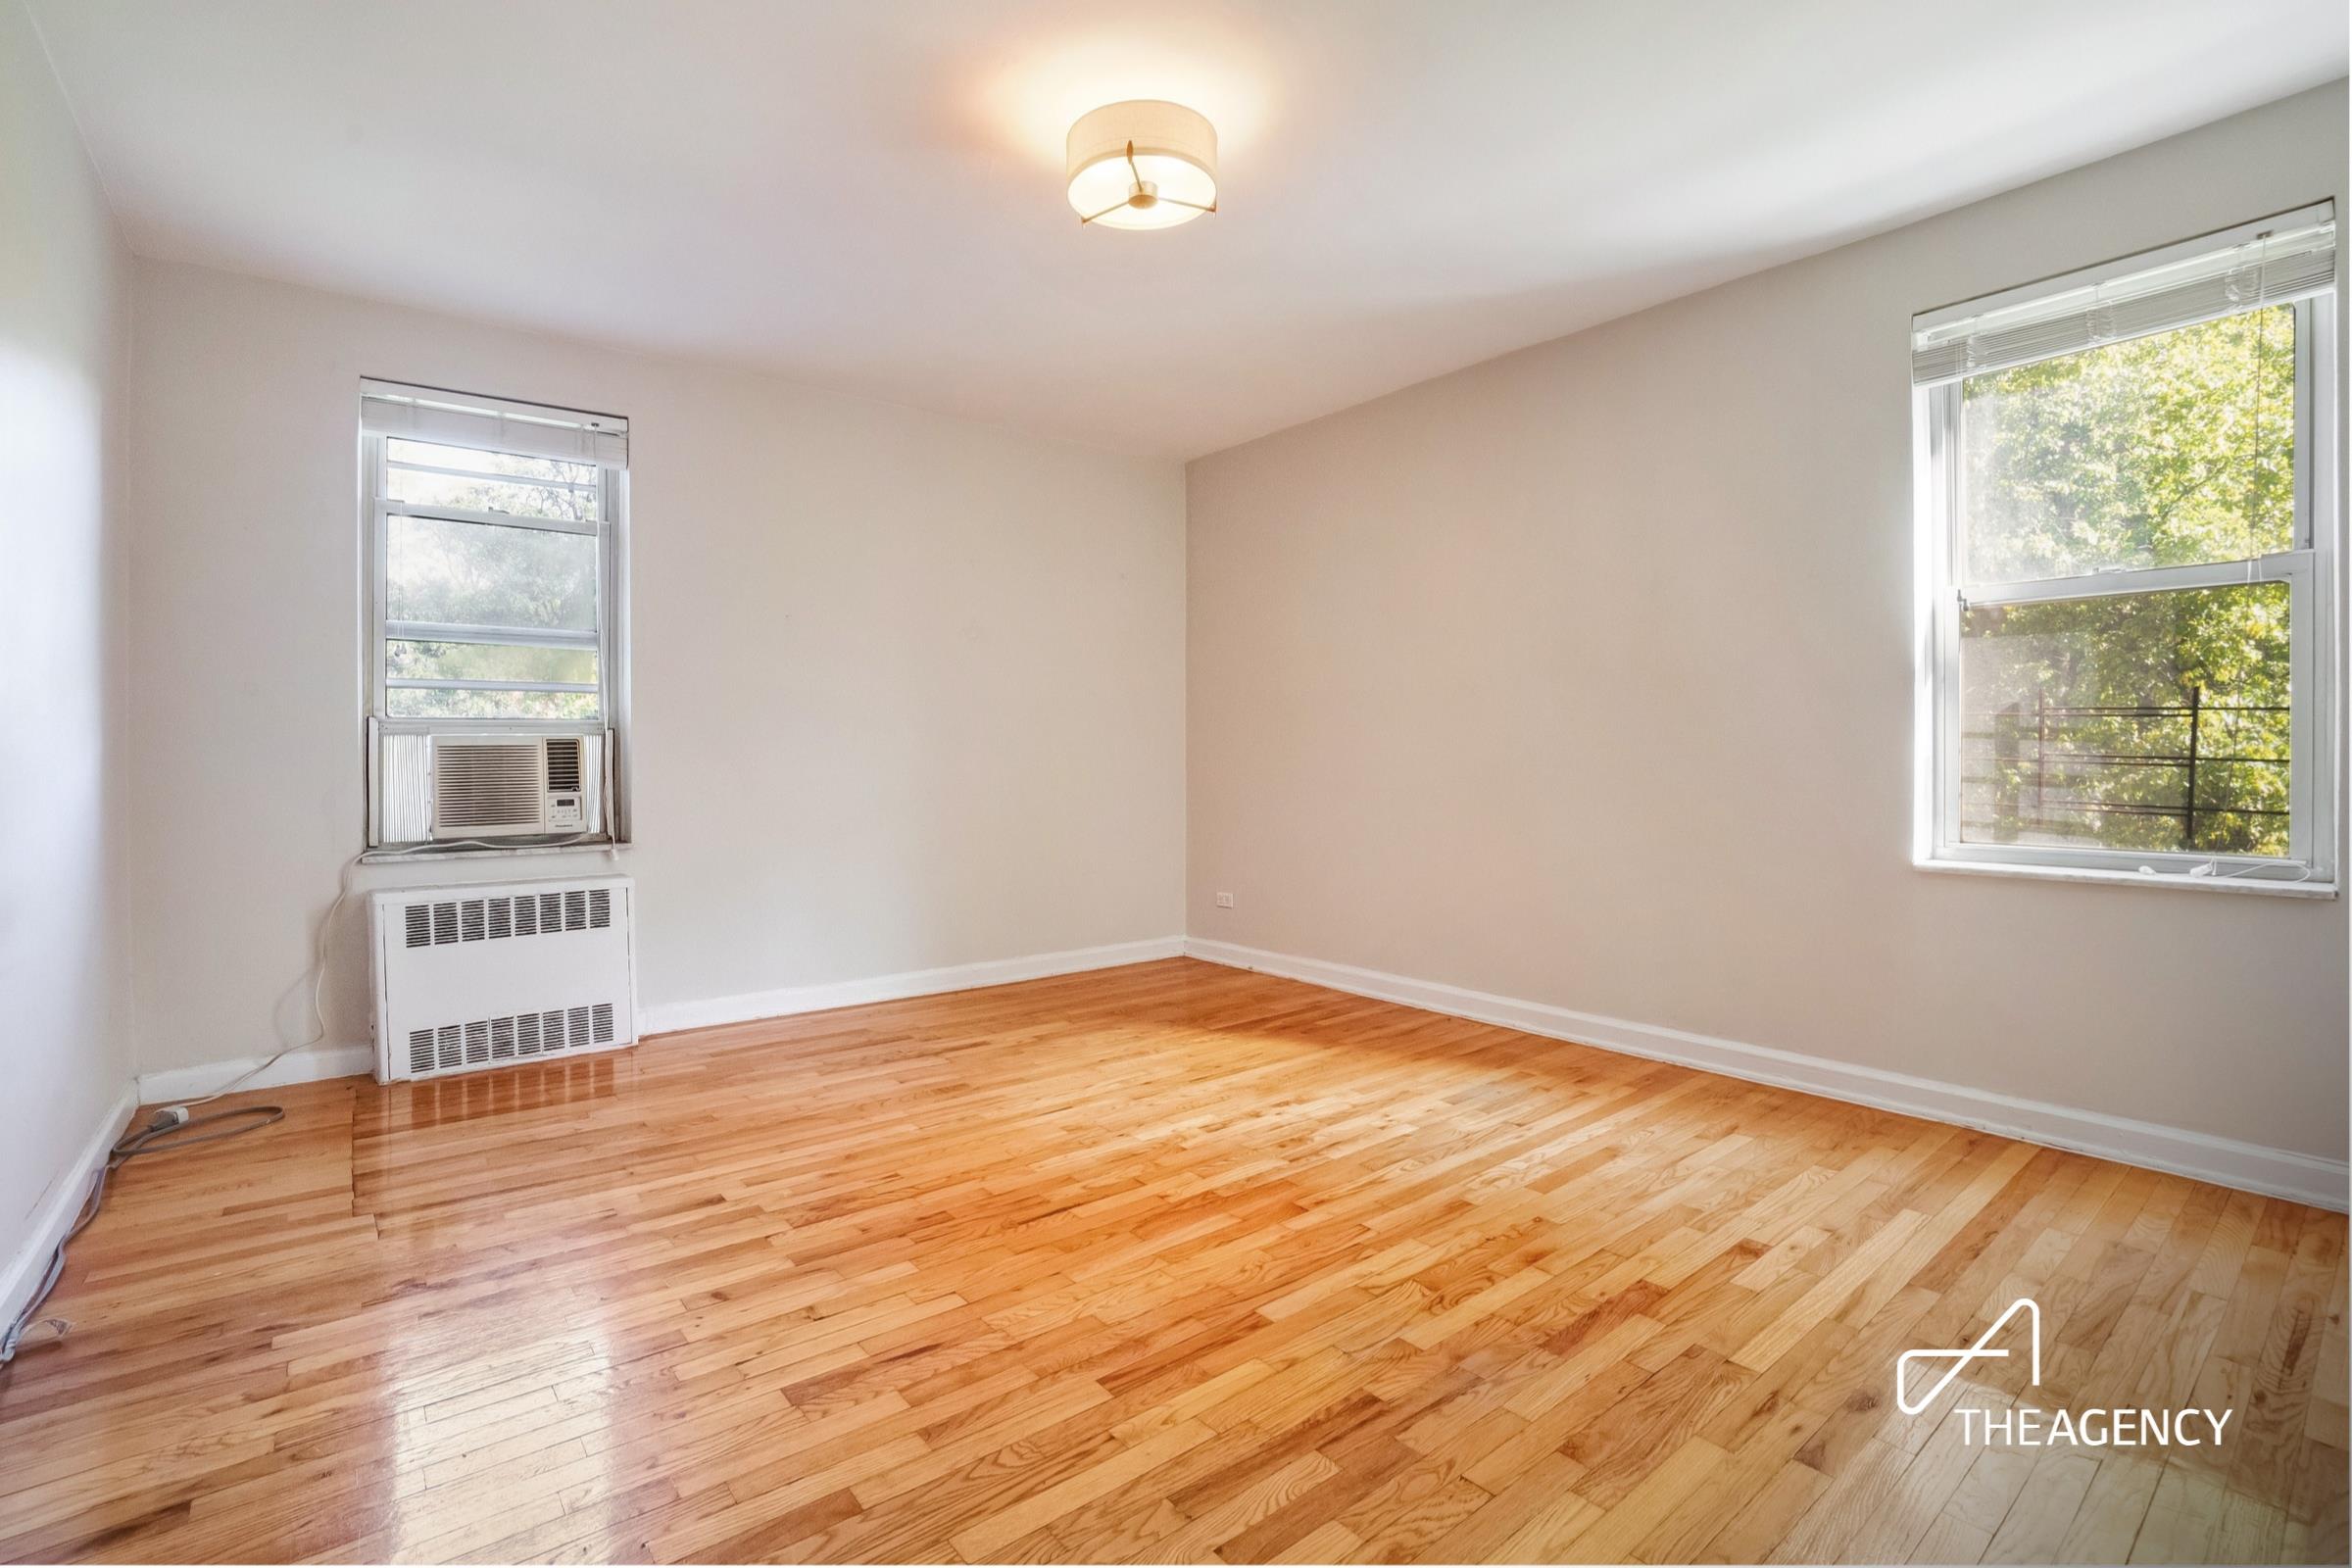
(64,1054)
(1491,682)
(1584,676)
(908,690)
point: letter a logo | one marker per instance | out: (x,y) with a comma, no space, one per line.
(1960,1360)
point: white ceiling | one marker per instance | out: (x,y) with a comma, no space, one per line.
(867,194)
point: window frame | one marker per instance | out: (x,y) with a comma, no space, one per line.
(609,641)
(2308,568)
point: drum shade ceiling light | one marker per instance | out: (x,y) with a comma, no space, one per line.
(1144,163)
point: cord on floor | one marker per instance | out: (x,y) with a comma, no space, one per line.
(164,1132)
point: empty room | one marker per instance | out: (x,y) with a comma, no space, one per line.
(1322,781)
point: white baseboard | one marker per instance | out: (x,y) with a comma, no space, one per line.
(316,1062)
(2224,1161)
(897,987)
(304,1066)
(54,1214)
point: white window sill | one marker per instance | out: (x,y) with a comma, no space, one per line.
(431,856)
(2134,879)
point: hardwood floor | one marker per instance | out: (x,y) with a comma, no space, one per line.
(1163,1263)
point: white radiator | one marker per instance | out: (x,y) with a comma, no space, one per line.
(497,973)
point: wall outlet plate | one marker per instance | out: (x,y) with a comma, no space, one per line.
(1224,900)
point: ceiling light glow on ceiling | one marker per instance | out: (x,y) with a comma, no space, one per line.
(1143,164)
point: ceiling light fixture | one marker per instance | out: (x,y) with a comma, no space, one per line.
(1143,164)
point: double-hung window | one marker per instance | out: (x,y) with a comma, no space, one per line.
(495,544)
(2126,494)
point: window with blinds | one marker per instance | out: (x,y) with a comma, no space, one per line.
(2128,520)
(495,544)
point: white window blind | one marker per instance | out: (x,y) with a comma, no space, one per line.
(2272,262)
(492,424)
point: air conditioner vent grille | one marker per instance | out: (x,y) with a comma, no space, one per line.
(488,786)
(563,764)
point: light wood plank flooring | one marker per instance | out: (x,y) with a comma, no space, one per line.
(1171,1263)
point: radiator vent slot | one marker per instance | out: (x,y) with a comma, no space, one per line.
(563,764)
(496,919)
(515,1037)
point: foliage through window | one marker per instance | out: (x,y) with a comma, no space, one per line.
(2129,521)
(448,580)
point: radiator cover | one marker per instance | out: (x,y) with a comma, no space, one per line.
(493,974)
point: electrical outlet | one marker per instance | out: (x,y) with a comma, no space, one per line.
(1224,900)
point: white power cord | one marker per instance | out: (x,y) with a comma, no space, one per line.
(157,1135)
(2213,869)
(343,892)
(318,1001)
(165,1131)
(2211,872)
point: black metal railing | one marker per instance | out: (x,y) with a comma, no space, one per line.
(2049,767)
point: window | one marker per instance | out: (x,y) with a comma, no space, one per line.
(2128,523)
(495,543)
